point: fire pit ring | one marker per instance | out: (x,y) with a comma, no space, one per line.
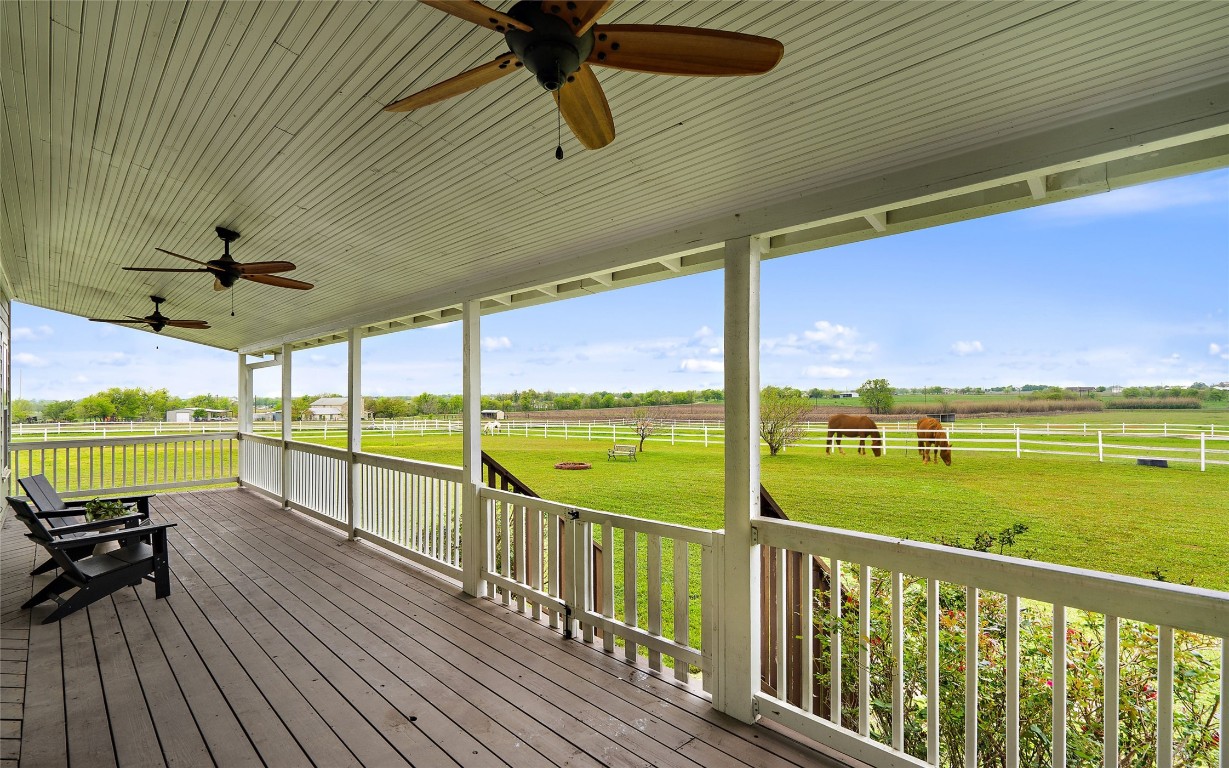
(573,465)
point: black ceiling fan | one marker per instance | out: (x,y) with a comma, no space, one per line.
(559,41)
(157,320)
(226,271)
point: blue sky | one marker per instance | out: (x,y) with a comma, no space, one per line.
(1127,287)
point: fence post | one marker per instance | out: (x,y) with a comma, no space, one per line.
(565,430)
(672,434)
(591,431)
(705,435)
(1100,448)
(1017,441)
(1203,466)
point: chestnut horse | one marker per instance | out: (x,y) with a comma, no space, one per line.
(853,425)
(932,439)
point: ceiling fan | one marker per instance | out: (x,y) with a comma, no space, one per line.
(157,320)
(227,271)
(559,41)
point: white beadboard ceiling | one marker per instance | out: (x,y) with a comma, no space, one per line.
(140,124)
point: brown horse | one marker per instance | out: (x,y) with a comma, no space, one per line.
(853,425)
(932,439)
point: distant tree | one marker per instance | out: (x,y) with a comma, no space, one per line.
(876,394)
(299,406)
(389,407)
(200,414)
(781,412)
(643,424)
(427,404)
(61,410)
(95,408)
(22,410)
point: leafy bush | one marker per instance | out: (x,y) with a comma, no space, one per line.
(1195,700)
(1154,403)
(104,509)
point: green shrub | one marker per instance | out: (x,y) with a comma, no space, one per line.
(1195,700)
(1154,403)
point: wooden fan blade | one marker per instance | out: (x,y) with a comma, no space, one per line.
(664,50)
(282,282)
(127,322)
(163,269)
(477,13)
(265,267)
(580,14)
(584,107)
(455,86)
(185,258)
(196,324)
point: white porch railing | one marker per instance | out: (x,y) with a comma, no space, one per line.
(548,556)
(318,482)
(261,463)
(894,679)
(128,464)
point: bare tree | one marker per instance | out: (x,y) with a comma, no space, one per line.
(781,411)
(643,424)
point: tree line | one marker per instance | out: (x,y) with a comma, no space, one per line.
(116,404)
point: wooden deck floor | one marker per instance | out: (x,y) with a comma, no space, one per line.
(283,644)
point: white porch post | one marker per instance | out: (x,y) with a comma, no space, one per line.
(738,642)
(473,532)
(245,408)
(287,417)
(354,435)
(245,394)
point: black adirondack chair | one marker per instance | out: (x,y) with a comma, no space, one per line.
(143,554)
(45,497)
(46,525)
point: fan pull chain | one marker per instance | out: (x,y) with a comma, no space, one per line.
(558,133)
(232,301)
(559,125)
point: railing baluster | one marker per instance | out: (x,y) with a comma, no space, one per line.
(505,548)
(521,552)
(834,644)
(1058,699)
(630,612)
(534,558)
(682,605)
(608,639)
(782,620)
(654,596)
(1165,698)
(932,671)
(1110,756)
(552,568)
(971,633)
(1224,702)
(864,651)
(898,662)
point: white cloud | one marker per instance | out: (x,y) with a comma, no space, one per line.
(825,372)
(34,361)
(25,333)
(492,343)
(831,341)
(692,365)
(113,358)
(963,348)
(704,332)
(1216,350)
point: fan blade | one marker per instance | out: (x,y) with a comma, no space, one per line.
(580,14)
(455,86)
(477,13)
(584,107)
(666,50)
(264,267)
(162,269)
(197,324)
(282,282)
(129,322)
(185,258)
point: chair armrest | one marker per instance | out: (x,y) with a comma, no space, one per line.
(157,530)
(128,521)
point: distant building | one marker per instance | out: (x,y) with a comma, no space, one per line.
(1115,390)
(492,414)
(332,409)
(181,415)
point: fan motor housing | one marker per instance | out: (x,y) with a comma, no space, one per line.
(552,52)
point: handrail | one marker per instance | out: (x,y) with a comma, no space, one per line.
(33,445)
(497,472)
(399,464)
(327,451)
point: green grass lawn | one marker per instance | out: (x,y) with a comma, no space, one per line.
(1112,516)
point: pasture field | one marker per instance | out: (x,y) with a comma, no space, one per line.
(1112,516)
